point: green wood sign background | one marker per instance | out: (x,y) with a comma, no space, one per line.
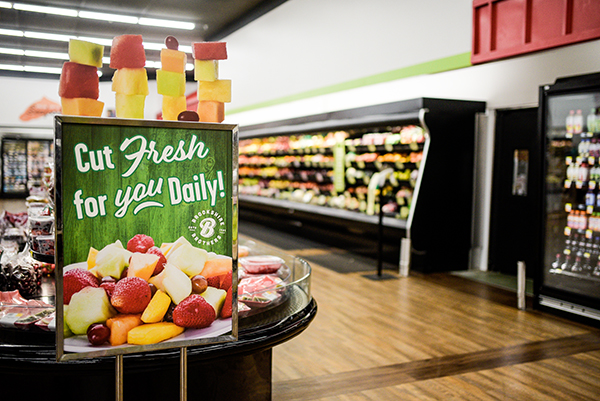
(165,181)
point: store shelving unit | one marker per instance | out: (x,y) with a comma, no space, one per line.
(296,173)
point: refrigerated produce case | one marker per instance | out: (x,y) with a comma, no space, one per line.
(23,164)
(314,175)
(568,282)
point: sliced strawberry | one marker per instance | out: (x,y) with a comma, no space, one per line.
(226,310)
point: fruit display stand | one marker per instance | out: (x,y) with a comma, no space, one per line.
(329,175)
(239,370)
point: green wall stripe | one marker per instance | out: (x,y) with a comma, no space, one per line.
(455,62)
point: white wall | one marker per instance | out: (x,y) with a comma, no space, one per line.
(310,45)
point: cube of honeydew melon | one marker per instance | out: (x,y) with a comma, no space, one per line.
(188,259)
(168,248)
(173,60)
(174,282)
(215,297)
(172,106)
(210,111)
(206,70)
(218,91)
(81,106)
(111,261)
(170,83)
(87,53)
(129,106)
(130,81)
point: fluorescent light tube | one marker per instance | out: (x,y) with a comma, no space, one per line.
(14,52)
(40,54)
(108,17)
(45,10)
(166,23)
(11,32)
(5,4)
(47,36)
(45,70)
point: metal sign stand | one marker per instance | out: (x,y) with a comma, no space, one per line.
(183,374)
(119,378)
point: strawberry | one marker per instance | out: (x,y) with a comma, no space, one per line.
(75,280)
(160,265)
(131,295)
(226,310)
(225,281)
(194,312)
(140,243)
(214,281)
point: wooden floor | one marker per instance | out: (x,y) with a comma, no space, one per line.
(432,337)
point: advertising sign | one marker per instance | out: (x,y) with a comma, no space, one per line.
(146,238)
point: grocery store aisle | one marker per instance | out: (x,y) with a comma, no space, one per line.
(429,337)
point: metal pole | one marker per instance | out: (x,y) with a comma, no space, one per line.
(183,374)
(119,378)
(521,285)
(380,239)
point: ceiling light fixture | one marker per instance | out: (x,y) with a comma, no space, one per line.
(31,68)
(45,10)
(152,22)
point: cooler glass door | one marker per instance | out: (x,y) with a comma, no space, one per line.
(571,268)
(14,167)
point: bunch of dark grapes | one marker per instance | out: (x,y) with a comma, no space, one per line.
(27,279)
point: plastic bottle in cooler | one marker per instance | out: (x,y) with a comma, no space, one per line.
(569,121)
(578,122)
(591,121)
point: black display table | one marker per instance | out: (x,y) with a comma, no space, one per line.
(239,370)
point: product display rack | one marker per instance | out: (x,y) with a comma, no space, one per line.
(425,183)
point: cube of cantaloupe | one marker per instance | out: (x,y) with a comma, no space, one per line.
(206,70)
(173,60)
(142,265)
(91,259)
(153,333)
(129,106)
(218,91)
(130,81)
(78,80)
(127,51)
(210,111)
(83,52)
(120,325)
(209,50)
(172,106)
(81,106)
(216,267)
(170,83)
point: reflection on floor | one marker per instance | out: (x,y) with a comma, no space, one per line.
(496,279)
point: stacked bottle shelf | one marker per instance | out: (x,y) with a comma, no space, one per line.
(580,256)
(335,169)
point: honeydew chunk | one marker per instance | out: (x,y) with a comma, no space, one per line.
(87,53)
(215,297)
(127,51)
(129,106)
(206,70)
(130,81)
(180,241)
(173,60)
(189,259)
(172,106)
(78,80)
(90,305)
(218,91)
(81,106)
(209,50)
(176,283)
(170,83)
(210,111)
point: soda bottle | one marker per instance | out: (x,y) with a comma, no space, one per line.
(577,267)
(578,122)
(569,121)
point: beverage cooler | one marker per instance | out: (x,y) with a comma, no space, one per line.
(568,282)
(23,165)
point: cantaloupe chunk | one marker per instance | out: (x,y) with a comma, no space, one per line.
(218,91)
(83,52)
(173,60)
(156,309)
(217,267)
(172,106)
(81,106)
(170,83)
(91,259)
(211,112)
(153,333)
(142,265)
(129,106)
(120,325)
(130,81)
(206,70)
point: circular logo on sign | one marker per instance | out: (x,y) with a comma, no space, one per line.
(207,227)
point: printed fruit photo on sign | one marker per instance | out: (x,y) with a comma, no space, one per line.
(139,295)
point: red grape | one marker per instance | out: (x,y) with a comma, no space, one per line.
(98,333)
